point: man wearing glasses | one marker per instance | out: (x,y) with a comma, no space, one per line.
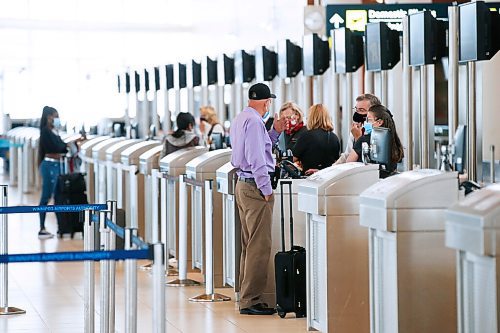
(363,104)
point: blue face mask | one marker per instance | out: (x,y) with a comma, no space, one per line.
(368,127)
(265,115)
(57,122)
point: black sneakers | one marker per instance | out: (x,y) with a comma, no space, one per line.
(44,234)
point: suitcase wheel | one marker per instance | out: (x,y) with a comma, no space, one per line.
(59,235)
(280,311)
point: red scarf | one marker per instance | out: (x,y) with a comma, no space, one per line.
(294,129)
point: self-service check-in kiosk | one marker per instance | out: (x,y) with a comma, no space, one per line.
(88,164)
(172,166)
(337,247)
(99,157)
(472,228)
(12,135)
(149,163)
(134,184)
(226,184)
(34,175)
(198,170)
(412,272)
(114,176)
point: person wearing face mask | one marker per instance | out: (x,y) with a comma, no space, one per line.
(379,116)
(209,123)
(252,156)
(50,149)
(363,103)
(296,128)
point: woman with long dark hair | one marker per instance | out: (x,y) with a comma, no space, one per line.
(379,116)
(183,137)
(50,148)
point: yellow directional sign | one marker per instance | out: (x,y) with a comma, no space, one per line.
(356,19)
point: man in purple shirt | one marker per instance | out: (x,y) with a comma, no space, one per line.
(252,155)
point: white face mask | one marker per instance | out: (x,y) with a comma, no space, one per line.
(57,122)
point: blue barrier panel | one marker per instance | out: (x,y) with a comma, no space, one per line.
(77,256)
(51,208)
(120,232)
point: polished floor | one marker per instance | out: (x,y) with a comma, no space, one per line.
(52,293)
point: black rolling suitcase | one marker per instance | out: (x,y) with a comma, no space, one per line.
(70,190)
(290,270)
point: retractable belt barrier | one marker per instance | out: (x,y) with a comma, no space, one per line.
(135,248)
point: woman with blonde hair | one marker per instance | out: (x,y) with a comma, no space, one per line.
(209,123)
(319,147)
(296,127)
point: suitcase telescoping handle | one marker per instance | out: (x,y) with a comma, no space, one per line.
(289,183)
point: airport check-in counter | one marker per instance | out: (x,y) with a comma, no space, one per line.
(337,247)
(412,272)
(99,157)
(226,183)
(172,166)
(134,184)
(88,164)
(472,228)
(149,161)
(114,184)
(198,170)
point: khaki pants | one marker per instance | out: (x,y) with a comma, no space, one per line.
(256,215)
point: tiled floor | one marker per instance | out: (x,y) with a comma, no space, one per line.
(52,293)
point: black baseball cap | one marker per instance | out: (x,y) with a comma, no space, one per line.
(260,91)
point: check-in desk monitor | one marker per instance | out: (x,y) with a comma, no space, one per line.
(200,169)
(472,228)
(412,273)
(337,247)
(174,165)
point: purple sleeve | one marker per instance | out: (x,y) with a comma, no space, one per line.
(255,156)
(273,135)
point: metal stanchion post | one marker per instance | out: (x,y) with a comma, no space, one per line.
(158,289)
(154,215)
(170,270)
(130,285)
(5,309)
(88,288)
(210,295)
(105,264)
(182,281)
(112,269)
(492,164)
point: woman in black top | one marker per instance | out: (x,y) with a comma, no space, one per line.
(379,116)
(296,127)
(50,149)
(319,147)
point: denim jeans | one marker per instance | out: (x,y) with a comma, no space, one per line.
(49,171)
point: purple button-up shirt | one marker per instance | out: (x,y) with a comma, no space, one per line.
(252,148)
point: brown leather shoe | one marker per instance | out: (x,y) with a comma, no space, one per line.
(258,309)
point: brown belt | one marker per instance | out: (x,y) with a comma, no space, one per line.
(53,155)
